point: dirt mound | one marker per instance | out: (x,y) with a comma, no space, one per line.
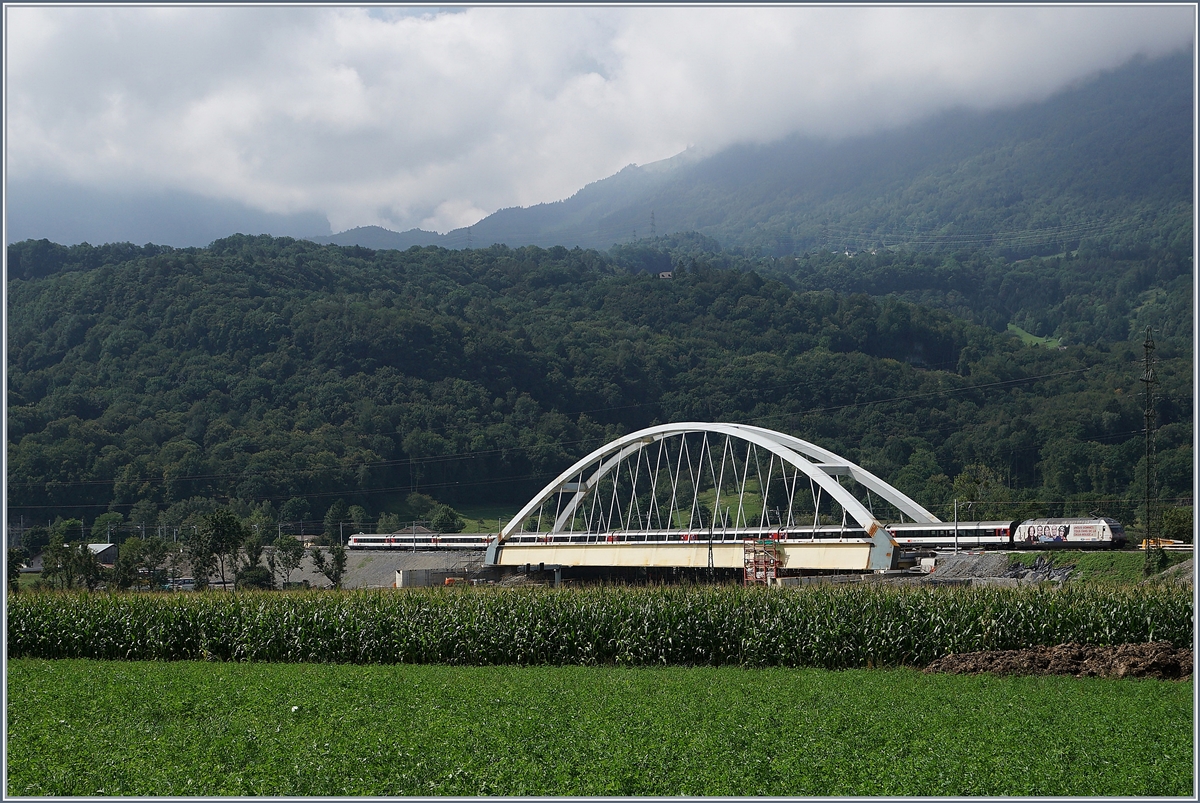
(1152,660)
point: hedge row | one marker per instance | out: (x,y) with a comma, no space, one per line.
(831,627)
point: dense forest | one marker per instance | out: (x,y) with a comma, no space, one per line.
(283,379)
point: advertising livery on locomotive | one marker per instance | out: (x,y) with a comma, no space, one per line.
(1078,532)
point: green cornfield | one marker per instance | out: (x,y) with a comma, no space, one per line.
(829,628)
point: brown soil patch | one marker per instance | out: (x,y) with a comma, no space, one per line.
(1152,660)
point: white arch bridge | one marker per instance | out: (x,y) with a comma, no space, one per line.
(699,495)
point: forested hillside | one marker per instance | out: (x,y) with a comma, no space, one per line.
(280,375)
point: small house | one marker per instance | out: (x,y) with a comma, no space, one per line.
(106,554)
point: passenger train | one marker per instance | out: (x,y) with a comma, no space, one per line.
(1034,533)
(420,541)
(1080,533)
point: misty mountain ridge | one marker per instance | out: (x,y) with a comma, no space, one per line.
(1108,159)
(594,197)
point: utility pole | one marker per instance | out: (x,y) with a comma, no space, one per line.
(956,525)
(1150,379)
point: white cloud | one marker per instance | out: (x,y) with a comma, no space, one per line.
(417,117)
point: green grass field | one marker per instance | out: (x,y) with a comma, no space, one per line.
(1033,340)
(80,727)
(1124,567)
(486,518)
(27,579)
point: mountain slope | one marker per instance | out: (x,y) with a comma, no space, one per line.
(1109,160)
(277,371)
(378,238)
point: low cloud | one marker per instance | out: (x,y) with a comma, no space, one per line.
(434,119)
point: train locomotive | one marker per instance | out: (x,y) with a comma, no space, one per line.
(1079,533)
(1099,531)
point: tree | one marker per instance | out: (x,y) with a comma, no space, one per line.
(358,517)
(65,566)
(106,528)
(981,491)
(337,515)
(139,564)
(224,535)
(445,519)
(289,554)
(188,513)
(419,504)
(86,566)
(294,509)
(335,567)
(124,573)
(69,529)
(262,520)
(251,573)
(388,523)
(1178,524)
(257,576)
(36,538)
(154,555)
(176,559)
(16,559)
(202,554)
(144,516)
(56,563)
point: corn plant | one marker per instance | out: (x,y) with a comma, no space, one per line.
(833,628)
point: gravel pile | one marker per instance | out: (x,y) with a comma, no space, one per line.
(966,566)
(1040,571)
(1179,573)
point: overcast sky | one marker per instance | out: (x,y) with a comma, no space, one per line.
(434,118)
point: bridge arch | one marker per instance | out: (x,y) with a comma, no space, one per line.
(615,486)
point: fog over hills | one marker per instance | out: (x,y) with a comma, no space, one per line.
(1110,158)
(72,213)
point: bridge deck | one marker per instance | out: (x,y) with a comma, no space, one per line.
(850,554)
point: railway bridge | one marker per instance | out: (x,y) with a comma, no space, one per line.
(701,495)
